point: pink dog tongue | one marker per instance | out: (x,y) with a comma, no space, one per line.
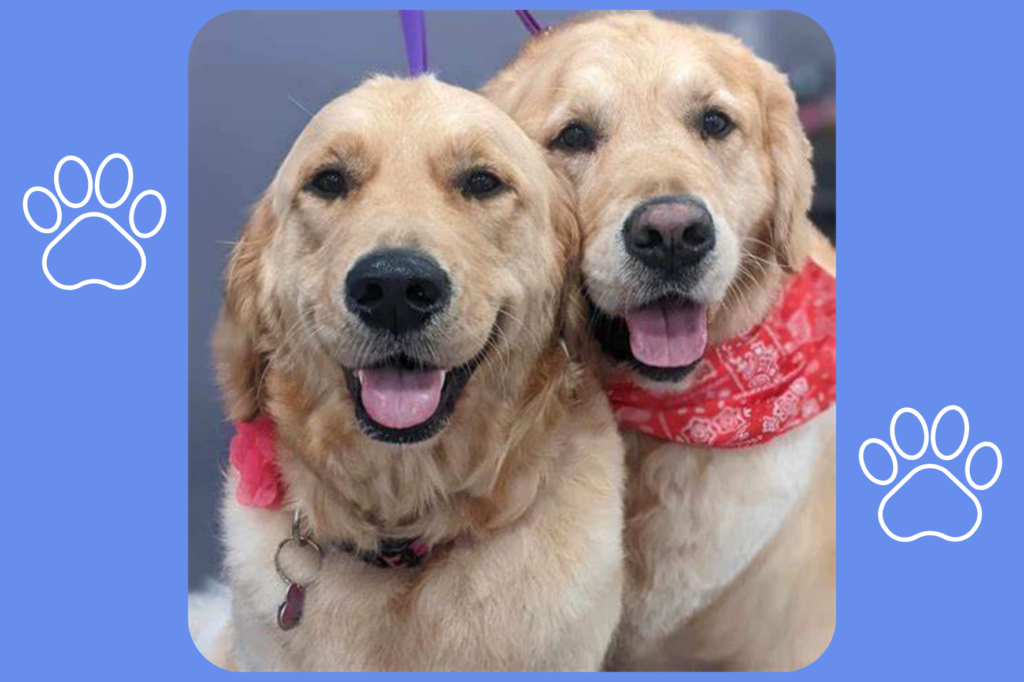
(668,334)
(401,398)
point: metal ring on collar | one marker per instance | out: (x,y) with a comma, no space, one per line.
(299,542)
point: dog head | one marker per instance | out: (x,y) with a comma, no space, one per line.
(692,176)
(403,269)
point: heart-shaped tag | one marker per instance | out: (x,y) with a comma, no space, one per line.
(290,612)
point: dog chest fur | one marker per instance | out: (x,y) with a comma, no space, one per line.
(542,593)
(697,520)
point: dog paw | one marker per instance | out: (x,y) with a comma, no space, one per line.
(110,205)
(929,436)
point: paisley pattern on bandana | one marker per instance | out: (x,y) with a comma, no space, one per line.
(755,387)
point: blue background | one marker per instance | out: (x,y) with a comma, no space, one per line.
(95,381)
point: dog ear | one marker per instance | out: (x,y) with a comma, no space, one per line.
(790,229)
(239,357)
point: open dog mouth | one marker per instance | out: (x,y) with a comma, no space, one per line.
(663,340)
(404,400)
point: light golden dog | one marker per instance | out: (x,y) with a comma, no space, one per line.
(693,183)
(397,305)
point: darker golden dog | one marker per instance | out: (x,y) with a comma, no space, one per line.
(398,306)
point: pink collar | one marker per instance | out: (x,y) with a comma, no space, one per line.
(253,454)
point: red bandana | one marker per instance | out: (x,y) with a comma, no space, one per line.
(755,387)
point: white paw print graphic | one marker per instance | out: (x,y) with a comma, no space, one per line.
(921,467)
(104,216)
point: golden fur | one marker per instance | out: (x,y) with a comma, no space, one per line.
(523,487)
(731,555)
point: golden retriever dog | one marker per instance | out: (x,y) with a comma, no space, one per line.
(693,181)
(398,309)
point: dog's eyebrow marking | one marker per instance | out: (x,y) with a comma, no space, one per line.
(481,151)
(725,99)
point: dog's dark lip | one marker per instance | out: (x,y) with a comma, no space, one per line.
(455,381)
(612,334)
(402,361)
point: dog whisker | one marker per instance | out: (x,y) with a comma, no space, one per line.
(283,347)
(296,102)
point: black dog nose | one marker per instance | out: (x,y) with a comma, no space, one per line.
(670,233)
(396,290)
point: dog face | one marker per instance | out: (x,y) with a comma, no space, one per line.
(407,241)
(691,171)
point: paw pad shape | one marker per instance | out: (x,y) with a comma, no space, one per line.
(930,436)
(104,216)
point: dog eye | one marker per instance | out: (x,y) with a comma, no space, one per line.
(575,137)
(481,184)
(716,124)
(328,184)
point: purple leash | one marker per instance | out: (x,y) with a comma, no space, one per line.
(530,21)
(415,30)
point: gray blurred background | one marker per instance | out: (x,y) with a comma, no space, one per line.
(251,74)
